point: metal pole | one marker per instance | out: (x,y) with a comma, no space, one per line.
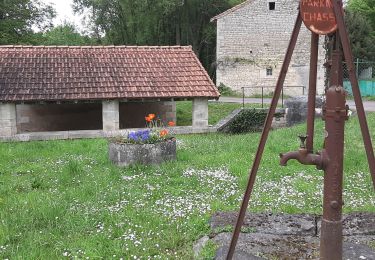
(243,97)
(282,97)
(262,97)
(337,7)
(357,68)
(264,136)
(312,92)
(335,115)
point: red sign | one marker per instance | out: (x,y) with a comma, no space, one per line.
(318,16)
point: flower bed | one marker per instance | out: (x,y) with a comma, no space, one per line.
(153,145)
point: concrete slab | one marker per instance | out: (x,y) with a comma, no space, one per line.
(280,224)
(266,246)
(283,236)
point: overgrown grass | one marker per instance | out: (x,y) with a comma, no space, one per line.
(216,111)
(64,199)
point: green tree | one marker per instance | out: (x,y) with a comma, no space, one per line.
(361,35)
(158,22)
(18,19)
(65,34)
(364,7)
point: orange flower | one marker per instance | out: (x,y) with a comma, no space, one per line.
(171,123)
(163,133)
(148,119)
(151,116)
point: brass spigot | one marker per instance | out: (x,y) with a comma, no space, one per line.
(320,159)
(303,141)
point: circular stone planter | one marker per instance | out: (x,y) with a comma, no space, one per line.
(125,154)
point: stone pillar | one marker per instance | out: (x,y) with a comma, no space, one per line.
(200,113)
(8,119)
(169,108)
(111,115)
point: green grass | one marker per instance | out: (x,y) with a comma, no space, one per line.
(367,98)
(63,199)
(216,111)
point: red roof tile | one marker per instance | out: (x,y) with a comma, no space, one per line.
(58,73)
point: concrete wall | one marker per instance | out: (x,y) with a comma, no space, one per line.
(8,120)
(132,114)
(59,117)
(254,38)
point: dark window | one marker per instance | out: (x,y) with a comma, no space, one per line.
(269,72)
(271,5)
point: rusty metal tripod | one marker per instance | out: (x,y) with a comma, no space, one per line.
(330,159)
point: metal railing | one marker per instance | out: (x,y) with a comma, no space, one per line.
(262,94)
(365,71)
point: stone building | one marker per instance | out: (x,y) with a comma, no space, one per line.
(61,88)
(252,40)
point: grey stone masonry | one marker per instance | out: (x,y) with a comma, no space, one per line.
(8,119)
(111,115)
(170,111)
(200,113)
(125,154)
(251,45)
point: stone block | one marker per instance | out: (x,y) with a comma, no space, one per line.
(7,122)
(111,115)
(200,113)
(8,125)
(6,131)
(110,105)
(59,135)
(125,154)
(8,111)
(85,134)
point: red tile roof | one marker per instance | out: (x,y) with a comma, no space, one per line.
(59,73)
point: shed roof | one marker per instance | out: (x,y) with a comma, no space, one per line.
(63,73)
(231,10)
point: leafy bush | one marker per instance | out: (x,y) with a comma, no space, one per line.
(227,91)
(248,120)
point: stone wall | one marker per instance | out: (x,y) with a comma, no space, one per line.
(254,38)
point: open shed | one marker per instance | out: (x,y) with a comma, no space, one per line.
(65,88)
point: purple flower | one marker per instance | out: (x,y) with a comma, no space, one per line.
(133,136)
(145,137)
(139,136)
